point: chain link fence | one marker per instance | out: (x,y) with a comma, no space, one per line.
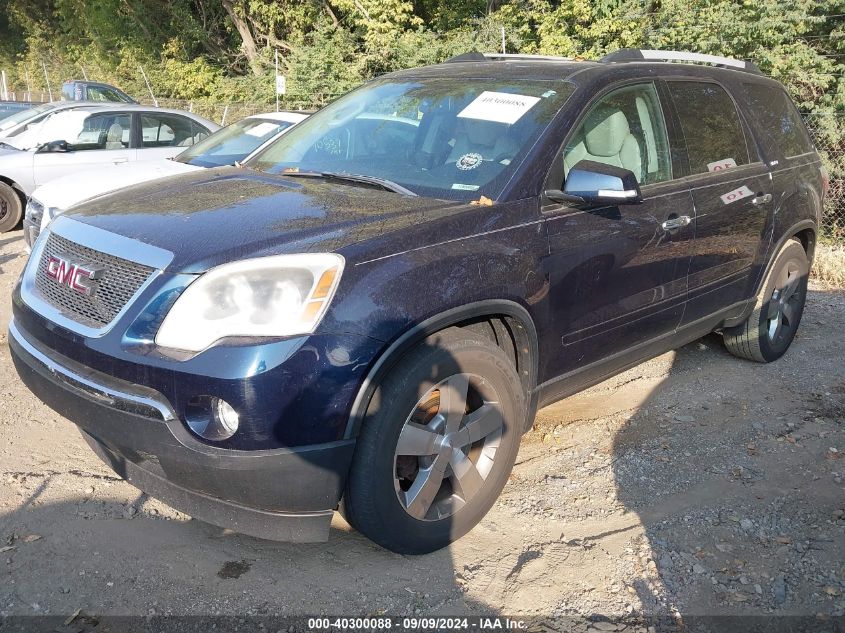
(226,113)
(828,131)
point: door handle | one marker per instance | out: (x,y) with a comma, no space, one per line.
(764,199)
(673,224)
(117,161)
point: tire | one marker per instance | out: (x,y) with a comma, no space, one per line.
(770,329)
(385,498)
(11,208)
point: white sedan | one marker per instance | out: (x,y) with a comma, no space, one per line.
(225,147)
(86,138)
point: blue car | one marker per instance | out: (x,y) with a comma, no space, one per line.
(367,313)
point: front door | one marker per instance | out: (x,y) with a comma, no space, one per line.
(618,274)
(732,192)
(104,140)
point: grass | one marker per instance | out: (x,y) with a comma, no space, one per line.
(829,265)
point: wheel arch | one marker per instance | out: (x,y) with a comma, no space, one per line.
(806,232)
(14,185)
(512,319)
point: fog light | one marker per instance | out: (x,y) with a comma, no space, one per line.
(211,418)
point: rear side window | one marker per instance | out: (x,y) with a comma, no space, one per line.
(169,130)
(711,126)
(776,113)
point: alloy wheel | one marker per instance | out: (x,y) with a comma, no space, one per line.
(447,447)
(784,307)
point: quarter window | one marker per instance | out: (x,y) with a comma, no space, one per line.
(711,126)
(626,129)
(778,116)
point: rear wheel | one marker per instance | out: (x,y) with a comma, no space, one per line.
(11,208)
(770,329)
(437,445)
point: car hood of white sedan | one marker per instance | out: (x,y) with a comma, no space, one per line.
(63,193)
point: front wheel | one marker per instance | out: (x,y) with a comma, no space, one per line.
(437,445)
(769,331)
(11,208)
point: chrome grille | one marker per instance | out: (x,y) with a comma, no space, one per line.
(120,280)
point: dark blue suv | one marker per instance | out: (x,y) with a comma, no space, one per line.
(368,314)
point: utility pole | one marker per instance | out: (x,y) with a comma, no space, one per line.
(503,41)
(276,80)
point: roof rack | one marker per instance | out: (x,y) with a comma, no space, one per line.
(638,55)
(475,56)
(545,58)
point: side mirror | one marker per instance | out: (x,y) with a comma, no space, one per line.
(593,184)
(54,146)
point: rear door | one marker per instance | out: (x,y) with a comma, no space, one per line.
(617,276)
(732,193)
(105,139)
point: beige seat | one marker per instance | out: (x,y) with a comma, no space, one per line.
(487,138)
(114,139)
(606,138)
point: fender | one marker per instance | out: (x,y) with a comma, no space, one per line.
(388,359)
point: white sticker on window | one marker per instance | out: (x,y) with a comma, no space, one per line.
(500,107)
(721,165)
(736,194)
(262,129)
(461,187)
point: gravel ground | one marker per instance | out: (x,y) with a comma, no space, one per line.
(694,484)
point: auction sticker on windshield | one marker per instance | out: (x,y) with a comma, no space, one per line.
(500,107)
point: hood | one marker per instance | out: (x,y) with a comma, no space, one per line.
(67,191)
(214,216)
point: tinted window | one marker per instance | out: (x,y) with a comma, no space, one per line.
(168,130)
(625,129)
(773,108)
(103,131)
(711,126)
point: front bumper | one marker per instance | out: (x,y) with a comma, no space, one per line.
(280,494)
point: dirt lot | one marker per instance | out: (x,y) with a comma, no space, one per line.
(694,484)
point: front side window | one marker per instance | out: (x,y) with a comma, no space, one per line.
(103,131)
(167,130)
(625,128)
(232,143)
(446,138)
(710,125)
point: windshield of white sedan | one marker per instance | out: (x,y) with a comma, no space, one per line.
(232,143)
(444,138)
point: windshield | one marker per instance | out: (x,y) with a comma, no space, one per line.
(443,138)
(24,115)
(233,143)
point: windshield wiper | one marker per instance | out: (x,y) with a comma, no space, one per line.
(387,185)
(6,145)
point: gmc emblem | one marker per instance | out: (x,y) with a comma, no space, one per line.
(74,276)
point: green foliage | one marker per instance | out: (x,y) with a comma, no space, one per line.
(196,49)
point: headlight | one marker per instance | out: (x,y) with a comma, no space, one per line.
(282,295)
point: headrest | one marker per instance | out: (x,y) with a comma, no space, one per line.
(605,131)
(115,132)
